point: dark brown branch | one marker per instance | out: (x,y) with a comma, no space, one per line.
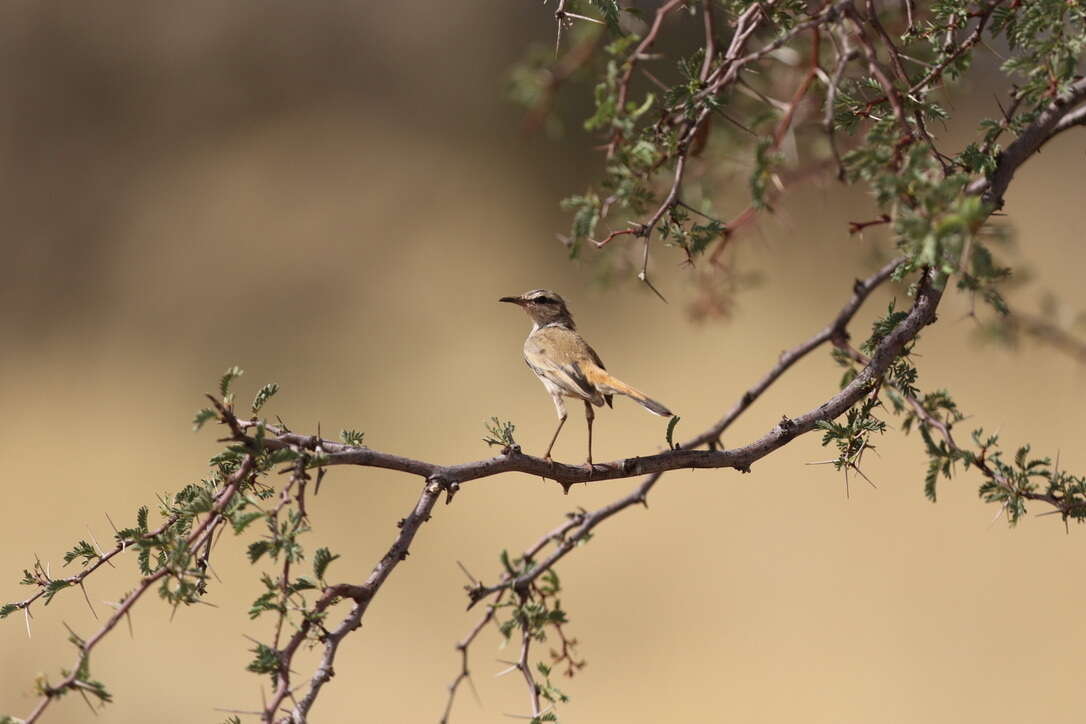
(1057,117)
(362,595)
(855,227)
(836,330)
(566,475)
(282,676)
(462,647)
(526,671)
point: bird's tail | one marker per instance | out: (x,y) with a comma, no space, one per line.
(608,384)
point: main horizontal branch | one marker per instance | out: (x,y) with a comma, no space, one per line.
(740,458)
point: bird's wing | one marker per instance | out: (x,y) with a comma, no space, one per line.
(609,399)
(560,356)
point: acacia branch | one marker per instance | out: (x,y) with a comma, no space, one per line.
(1058,116)
(944,429)
(462,647)
(836,330)
(740,458)
(361,595)
(451,477)
(122,545)
(195,539)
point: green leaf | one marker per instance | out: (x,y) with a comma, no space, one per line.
(351,437)
(264,395)
(53,588)
(83,550)
(321,559)
(301,583)
(610,10)
(282,455)
(242,520)
(6,610)
(143,561)
(501,433)
(258,549)
(931,478)
(231,374)
(671,431)
(265,602)
(265,660)
(203,416)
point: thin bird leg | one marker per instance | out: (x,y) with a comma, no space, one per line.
(590,415)
(561,421)
(560,406)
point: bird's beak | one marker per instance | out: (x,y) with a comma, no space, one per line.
(512,300)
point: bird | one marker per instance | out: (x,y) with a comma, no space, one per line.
(567,366)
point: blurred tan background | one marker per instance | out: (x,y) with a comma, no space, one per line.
(333,195)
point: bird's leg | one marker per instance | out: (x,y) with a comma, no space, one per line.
(560,408)
(590,415)
(561,421)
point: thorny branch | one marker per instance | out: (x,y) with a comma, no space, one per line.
(452,477)
(199,535)
(361,596)
(978,461)
(462,647)
(43,580)
(1060,115)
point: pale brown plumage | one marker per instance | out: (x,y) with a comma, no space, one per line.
(566,365)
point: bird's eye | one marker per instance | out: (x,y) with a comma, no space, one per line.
(543,300)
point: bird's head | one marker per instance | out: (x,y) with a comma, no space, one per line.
(543,306)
